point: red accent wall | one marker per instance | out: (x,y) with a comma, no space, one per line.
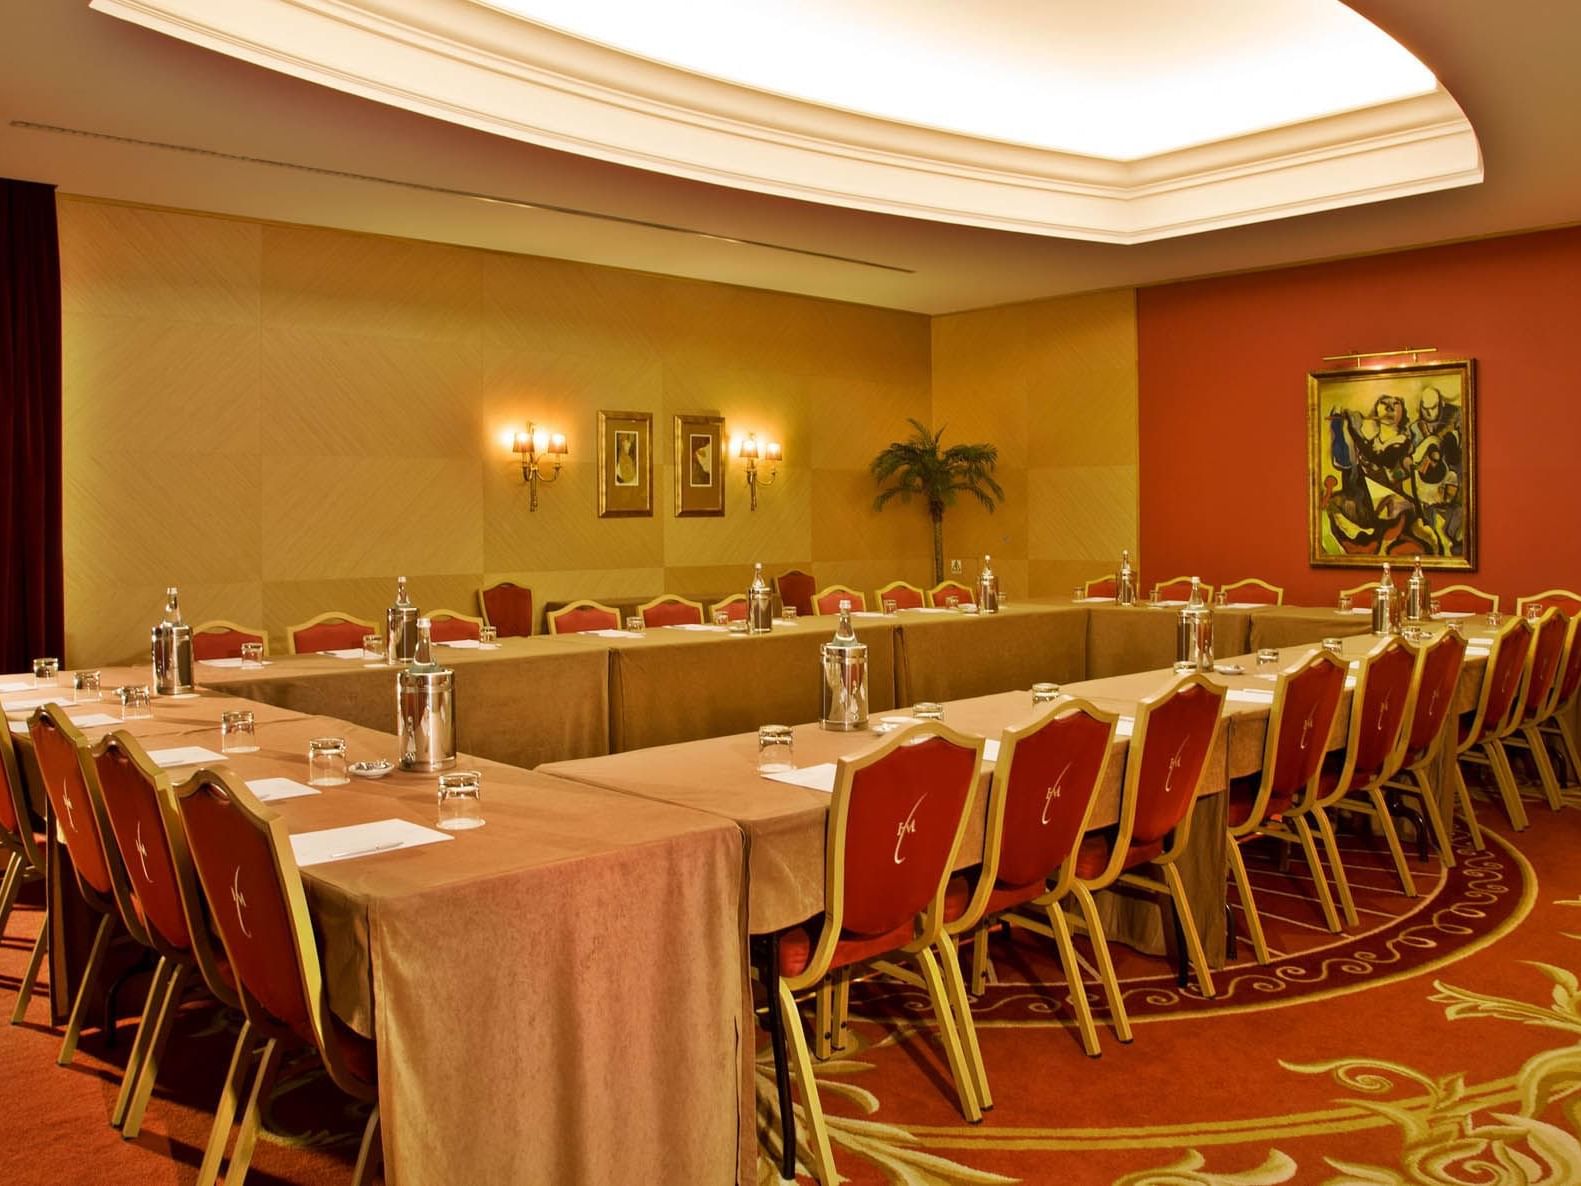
(1223,366)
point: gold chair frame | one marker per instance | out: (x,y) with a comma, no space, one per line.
(672,599)
(1086,586)
(552,618)
(952,583)
(483,606)
(1527,734)
(322,619)
(452,615)
(1207,589)
(725,602)
(1229,589)
(1555,721)
(880,594)
(1171,883)
(261,1022)
(1355,591)
(1418,778)
(1474,591)
(1492,755)
(857,598)
(25,863)
(218,625)
(1548,595)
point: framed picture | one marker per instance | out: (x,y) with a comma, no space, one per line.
(699,465)
(625,464)
(1393,465)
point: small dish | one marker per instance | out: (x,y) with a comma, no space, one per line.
(889,724)
(377,768)
(1229,669)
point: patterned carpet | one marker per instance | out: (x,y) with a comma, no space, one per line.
(1436,1044)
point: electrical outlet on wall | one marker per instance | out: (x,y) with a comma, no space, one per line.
(955,568)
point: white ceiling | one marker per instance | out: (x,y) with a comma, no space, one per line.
(270,146)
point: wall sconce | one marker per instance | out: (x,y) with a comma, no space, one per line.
(747,449)
(533,446)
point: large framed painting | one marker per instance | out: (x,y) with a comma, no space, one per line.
(1393,465)
(699,465)
(625,464)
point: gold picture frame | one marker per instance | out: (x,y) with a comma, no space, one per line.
(1392,466)
(625,464)
(699,465)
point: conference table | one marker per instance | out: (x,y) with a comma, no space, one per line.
(581,955)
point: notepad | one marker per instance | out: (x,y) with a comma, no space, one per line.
(1250,696)
(184,755)
(792,623)
(1458,613)
(1360,609)
(698,626)
(613,633)
(991,750)
(465,644)
(269,790)
(39,699)
(347,653)
(361,840)
(1095,599)
(813,778)
(23,686)
(932,609)
(1124,726)
(237,662)
(1243,605)
(866,613)
(92,720)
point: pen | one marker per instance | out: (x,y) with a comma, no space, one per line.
(362,852)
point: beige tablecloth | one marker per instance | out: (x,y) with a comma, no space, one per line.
(1123,639)
(1287,626)
(955,656)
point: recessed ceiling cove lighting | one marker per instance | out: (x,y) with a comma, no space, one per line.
(1115,79)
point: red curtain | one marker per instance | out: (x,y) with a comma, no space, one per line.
(32,582)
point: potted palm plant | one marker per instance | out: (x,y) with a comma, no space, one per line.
(918,466)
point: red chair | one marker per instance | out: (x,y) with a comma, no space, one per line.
(124,788)
(446,625)
(903,595)
(795,589)
(1361,595)
(1171,739)
(1432,699)
(1046,780)
(60,750)
(1101,587)
(735,607)
(250,881)
(671,611)
(896,818)
(1251,590)
(581,616)
(223,640)
(1556,723)
(1534,703)
(1353,780)
(333,631)
(24,842)
(938,594)
(507,607)
(1306,701)
(1179,588)
(1465,599)
(828,600)
(1563,599)
(1477,732)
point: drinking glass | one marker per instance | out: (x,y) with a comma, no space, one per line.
(1003,600)
(460,800)
(85,686)
(721,617)
(252,654)
(845,606)
(635,624)
(1344,603)
(326,762)
(789,613)
(952,602)
(1044,693)
(1493,620)
(1220,598)
(488,636)
(373,646)
(928,710)
(1266,656)
(1078,594)
(237,732)
(46,672)
(1433,608)
(776,749)
(891,606)
(1153,601)
(1333,645)
(135,702)
(1534,610)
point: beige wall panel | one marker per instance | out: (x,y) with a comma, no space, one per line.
(852,422)
(334,282)
(565,531)
(1058,578)
(122,261)
(355,517)
(846,527)
(707,582)
(361,395)
(564,392)
(111,631)
(1085,513)
(555,306)
(971,530)
(780,527)
(1083,394)
(181,386)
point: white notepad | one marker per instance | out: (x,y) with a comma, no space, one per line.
(698,626)
(1250,696)
(39,698)
(1456,613)
(1243,605)
(22,686)
(1095,600)
(814,778)
(347,653)
(465,644)
(613,633)
(237,662)
(184,755)
(269,790)
(361,840)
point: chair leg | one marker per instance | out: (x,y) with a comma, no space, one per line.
(1243,885)
(1567,739)
(225,1110)
(1435,819)
(801,1063)
(949,1036)
(371,1153)
(1347,904)
(24,992)
(823,1020)
(980,962)
(1073,981)
(156,1051)
(961,1006)
(1509,792)
(1100,951)
(263,1083)
(1391,837)
(146,1024)
(1319,878)
(1199,958)
(85,988)
(1545,767)
(1467,808)
(9,887)
(842,1012)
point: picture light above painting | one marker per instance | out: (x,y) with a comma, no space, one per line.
(1392,465)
